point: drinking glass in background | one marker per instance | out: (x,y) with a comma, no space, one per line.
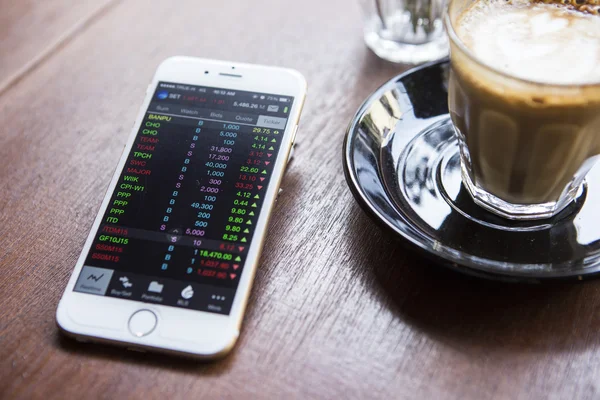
(405,31)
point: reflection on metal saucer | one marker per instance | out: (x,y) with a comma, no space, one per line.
(402,165)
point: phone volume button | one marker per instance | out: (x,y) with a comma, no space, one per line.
(294,134)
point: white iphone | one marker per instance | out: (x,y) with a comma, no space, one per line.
(170,259)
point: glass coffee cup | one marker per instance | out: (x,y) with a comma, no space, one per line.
(525,145)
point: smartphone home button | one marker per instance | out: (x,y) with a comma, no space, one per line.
(142,322)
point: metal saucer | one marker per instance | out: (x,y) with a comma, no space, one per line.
(402,165)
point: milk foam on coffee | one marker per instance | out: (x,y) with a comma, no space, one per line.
(545,43)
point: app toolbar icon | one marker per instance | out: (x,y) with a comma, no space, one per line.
(187,292)
(273,108)
(163,94)
(125,282)
(155,287)
(95,278)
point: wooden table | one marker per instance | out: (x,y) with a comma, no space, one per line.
(339,308)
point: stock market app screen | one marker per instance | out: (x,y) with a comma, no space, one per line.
(181,218)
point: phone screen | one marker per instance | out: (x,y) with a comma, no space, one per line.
(181,219)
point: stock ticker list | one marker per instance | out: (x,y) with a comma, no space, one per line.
(180,221)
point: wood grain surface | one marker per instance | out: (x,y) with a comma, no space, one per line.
(339,309)
(30,30)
